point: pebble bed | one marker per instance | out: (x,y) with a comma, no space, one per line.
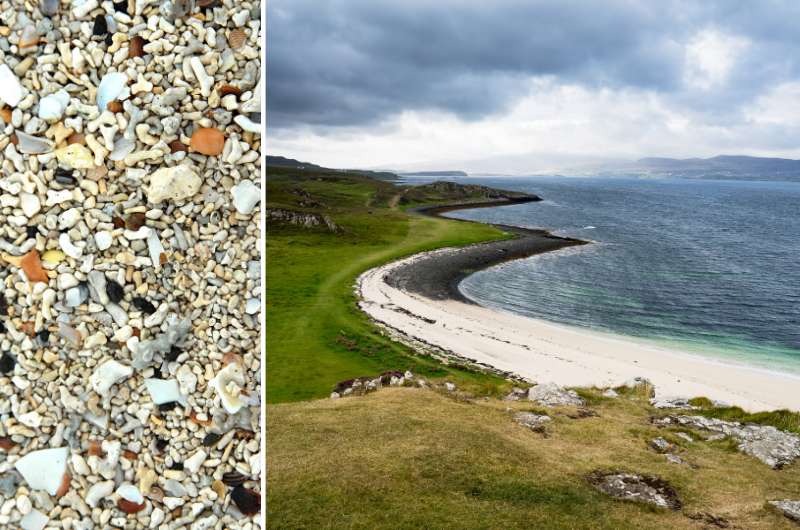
(130,264)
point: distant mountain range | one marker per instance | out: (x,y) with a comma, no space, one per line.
(433,173)
(282,161)
(718,167)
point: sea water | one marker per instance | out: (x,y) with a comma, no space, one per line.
(702,266)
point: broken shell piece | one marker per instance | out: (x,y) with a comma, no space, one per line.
(122,148)
(32,145)
(34,520)
(52,107)
(155,248)
(111,86)
(44,469)
(245,196)
(32,267)
(10,88)
(76,156)
(107,374)
(130,500)
(229,383)
(175,183)
(237,38)
(164,391)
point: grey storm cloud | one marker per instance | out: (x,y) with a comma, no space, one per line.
(356,62)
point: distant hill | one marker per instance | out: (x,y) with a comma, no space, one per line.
(282,161)
(433,173)
(718,167)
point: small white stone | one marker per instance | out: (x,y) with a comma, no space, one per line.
(66,280)
(33,520)
(245,196)
(98,491)
(52,107)
(175,183)
(68,218)
(30,204)
(103,239)
(32,419)
(252,306)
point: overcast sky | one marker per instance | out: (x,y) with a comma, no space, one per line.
(523,86)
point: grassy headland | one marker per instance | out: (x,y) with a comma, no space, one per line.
(316,334)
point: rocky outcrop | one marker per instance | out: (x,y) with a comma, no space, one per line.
(304,219)
(534,422)
(772,446)
(790,509)
(638,488)
(552,395)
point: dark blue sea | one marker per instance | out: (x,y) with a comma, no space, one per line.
(704,266)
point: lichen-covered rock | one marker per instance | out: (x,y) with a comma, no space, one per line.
(772,446)
(534,422)
(174,183)
(638,488)
(790,509)
(552,395)
(661,445)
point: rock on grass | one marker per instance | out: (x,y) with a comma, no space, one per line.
(646,489)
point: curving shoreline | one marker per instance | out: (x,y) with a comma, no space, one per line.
(416,299)
(437,276)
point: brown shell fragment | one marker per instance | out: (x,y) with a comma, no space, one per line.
(177,145)
(219,488)
(75,138)
(135,221)
(64,487)
(237,38)
(247,500)
(6,443)
(226,90)
(208,141)
(129,507)
(193,417)
(5,113)
(32,266)
(114,106)
(95,448)
(136,47)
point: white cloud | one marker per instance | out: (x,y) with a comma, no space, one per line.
(710,57)
(780,106)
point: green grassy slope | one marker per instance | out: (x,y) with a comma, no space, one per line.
(316,334)
(410,458)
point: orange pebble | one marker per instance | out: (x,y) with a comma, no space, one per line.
(32,266)
(208,141)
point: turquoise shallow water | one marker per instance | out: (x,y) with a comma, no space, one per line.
(704,266)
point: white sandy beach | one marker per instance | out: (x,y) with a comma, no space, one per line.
(545,352)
